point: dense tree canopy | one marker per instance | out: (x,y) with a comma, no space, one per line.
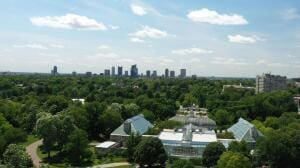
(212,153)
(150,152)
(42,105)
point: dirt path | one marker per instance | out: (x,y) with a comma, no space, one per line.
(112,165)
(32,152)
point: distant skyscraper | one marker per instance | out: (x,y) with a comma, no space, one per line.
(134,71)
(172,74)
(113,71)
(88,73)
(148,74)
(167,73)
(182,73)
(107,72)
(126,73)
(269,83)
(154,74)
(74,73)
(120,71)
(54,71)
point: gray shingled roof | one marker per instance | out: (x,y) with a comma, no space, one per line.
(243,130)
(139,125)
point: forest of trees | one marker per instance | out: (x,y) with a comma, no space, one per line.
(43,106)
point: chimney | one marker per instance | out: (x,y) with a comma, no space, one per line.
(127,126)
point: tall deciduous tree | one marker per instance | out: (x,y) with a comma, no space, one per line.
(233,160)
(16,157)
(150,152)
(212,153)
(77,147)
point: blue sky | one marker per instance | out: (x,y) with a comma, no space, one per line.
(207,37)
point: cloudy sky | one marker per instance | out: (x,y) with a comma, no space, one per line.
(207,37)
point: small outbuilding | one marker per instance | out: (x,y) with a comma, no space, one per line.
(106,147)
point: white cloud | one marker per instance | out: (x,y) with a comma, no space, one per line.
(136,40)
(109,55)
(57,46)
(32,45)
(114,27)
(149,32)
(103,47)
(290,14)
(39,46)
(244,39)
(227,61)
(138,10)
(190,51)
(213,17)
(68,21)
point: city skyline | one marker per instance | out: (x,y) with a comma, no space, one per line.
(207,38)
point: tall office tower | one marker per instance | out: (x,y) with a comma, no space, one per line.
(182,73)
(134,71)
(172,74)
(74,73)
(269,83)
(148,74)
(113,71)
(54,71)
(126,73)
(154,74)
(106,72)
(120,71)
(167,73)
(88,73)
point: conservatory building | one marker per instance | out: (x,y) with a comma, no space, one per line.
(187,142)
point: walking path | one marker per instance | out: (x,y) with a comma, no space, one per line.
(32,152)
(111,165)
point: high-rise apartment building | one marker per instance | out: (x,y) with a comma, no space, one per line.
(120,71)
(113,71)
(172,74)
(148,73)
(54,71)
(182,73)
(166,73)
(134,71)
(269,83)
(126,73)
(154,74)
(106,72)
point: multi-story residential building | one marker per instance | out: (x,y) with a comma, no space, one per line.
(154,74)
(182,73)
(54,71)
(126,73)
(172,74)
(113,71)
(269,83)
(148,73)
(106,72)
(134,71)
(167,73)
(120,71)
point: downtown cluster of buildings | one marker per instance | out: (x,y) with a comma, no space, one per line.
(133,72)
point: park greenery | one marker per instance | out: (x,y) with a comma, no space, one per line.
(42,105)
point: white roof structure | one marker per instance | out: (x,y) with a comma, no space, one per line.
(204,137)
(106,144)
(188,133)
(171,136)
(80,100)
